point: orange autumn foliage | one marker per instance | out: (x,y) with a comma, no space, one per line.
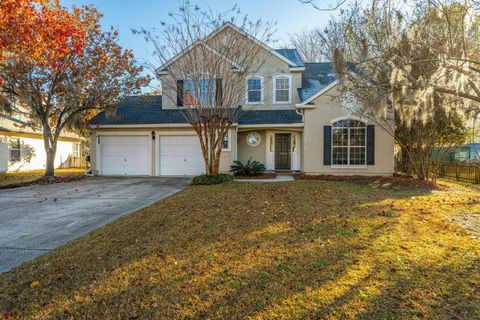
(41,31)
(60,67)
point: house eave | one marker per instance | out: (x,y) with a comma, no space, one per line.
(136,126)
(297,69)
(187,125)
(271,125)
(37,136)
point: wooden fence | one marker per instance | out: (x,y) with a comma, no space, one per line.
(74,162)
(466,172)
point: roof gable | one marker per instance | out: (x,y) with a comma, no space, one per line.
(190,48)
(289,56)
(320,77)
(228,24)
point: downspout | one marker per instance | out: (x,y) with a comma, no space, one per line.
(300,113)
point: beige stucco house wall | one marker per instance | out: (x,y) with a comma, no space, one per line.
(326,109)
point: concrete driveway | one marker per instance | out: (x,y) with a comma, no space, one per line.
(36,219)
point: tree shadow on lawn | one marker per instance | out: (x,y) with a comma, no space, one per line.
(288,251)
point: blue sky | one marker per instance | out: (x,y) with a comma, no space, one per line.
(291,16)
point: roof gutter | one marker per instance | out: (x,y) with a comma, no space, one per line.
(270,125)
(135,126)
(293,69)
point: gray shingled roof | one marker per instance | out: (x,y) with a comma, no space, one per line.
(316,77)
(269,117)
(292,55)
(147,113)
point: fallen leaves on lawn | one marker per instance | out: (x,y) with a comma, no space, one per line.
(298,250)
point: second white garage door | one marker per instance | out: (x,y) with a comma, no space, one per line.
(180,156)
(126,155)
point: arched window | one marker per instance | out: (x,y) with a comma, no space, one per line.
(349,143)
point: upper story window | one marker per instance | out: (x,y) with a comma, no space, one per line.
(255,90)
(15,153)
(196,92)
(349,143)
(282,89)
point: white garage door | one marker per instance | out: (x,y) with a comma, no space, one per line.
(180,155)
(126,155)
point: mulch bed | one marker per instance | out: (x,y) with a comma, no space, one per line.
(398,180)
(263,176)
(45,181)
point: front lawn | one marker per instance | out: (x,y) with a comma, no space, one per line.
(25,177)
(296,250)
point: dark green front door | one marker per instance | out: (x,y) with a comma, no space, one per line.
(282,151)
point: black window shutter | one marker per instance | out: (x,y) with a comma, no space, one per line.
(370,145)
(218,92)
(179,93)
(327,145)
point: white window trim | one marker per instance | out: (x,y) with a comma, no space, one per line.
(19,149)
(275,89)
(348,166)
(262,95)
(229,137)
(76,144)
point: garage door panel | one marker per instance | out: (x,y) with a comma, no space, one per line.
(180,155)
(125,155)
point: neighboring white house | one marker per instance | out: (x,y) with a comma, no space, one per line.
(22,148)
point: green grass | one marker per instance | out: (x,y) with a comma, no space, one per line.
(20,177)
(299,250)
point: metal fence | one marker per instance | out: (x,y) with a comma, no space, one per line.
(466,172)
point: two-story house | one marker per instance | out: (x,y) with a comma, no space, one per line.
(292,120)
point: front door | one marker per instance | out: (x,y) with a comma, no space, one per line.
(282,151)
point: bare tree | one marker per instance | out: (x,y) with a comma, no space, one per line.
(418,56)
(205,61)
(308,44)
(410,52)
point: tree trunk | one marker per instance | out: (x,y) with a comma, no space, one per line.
(50,165)
(50,144)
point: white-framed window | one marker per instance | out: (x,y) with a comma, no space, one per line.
(255,90)
(76,150)
(282,87)
(199,91)
(226,141)
(14,150)
(349,143)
